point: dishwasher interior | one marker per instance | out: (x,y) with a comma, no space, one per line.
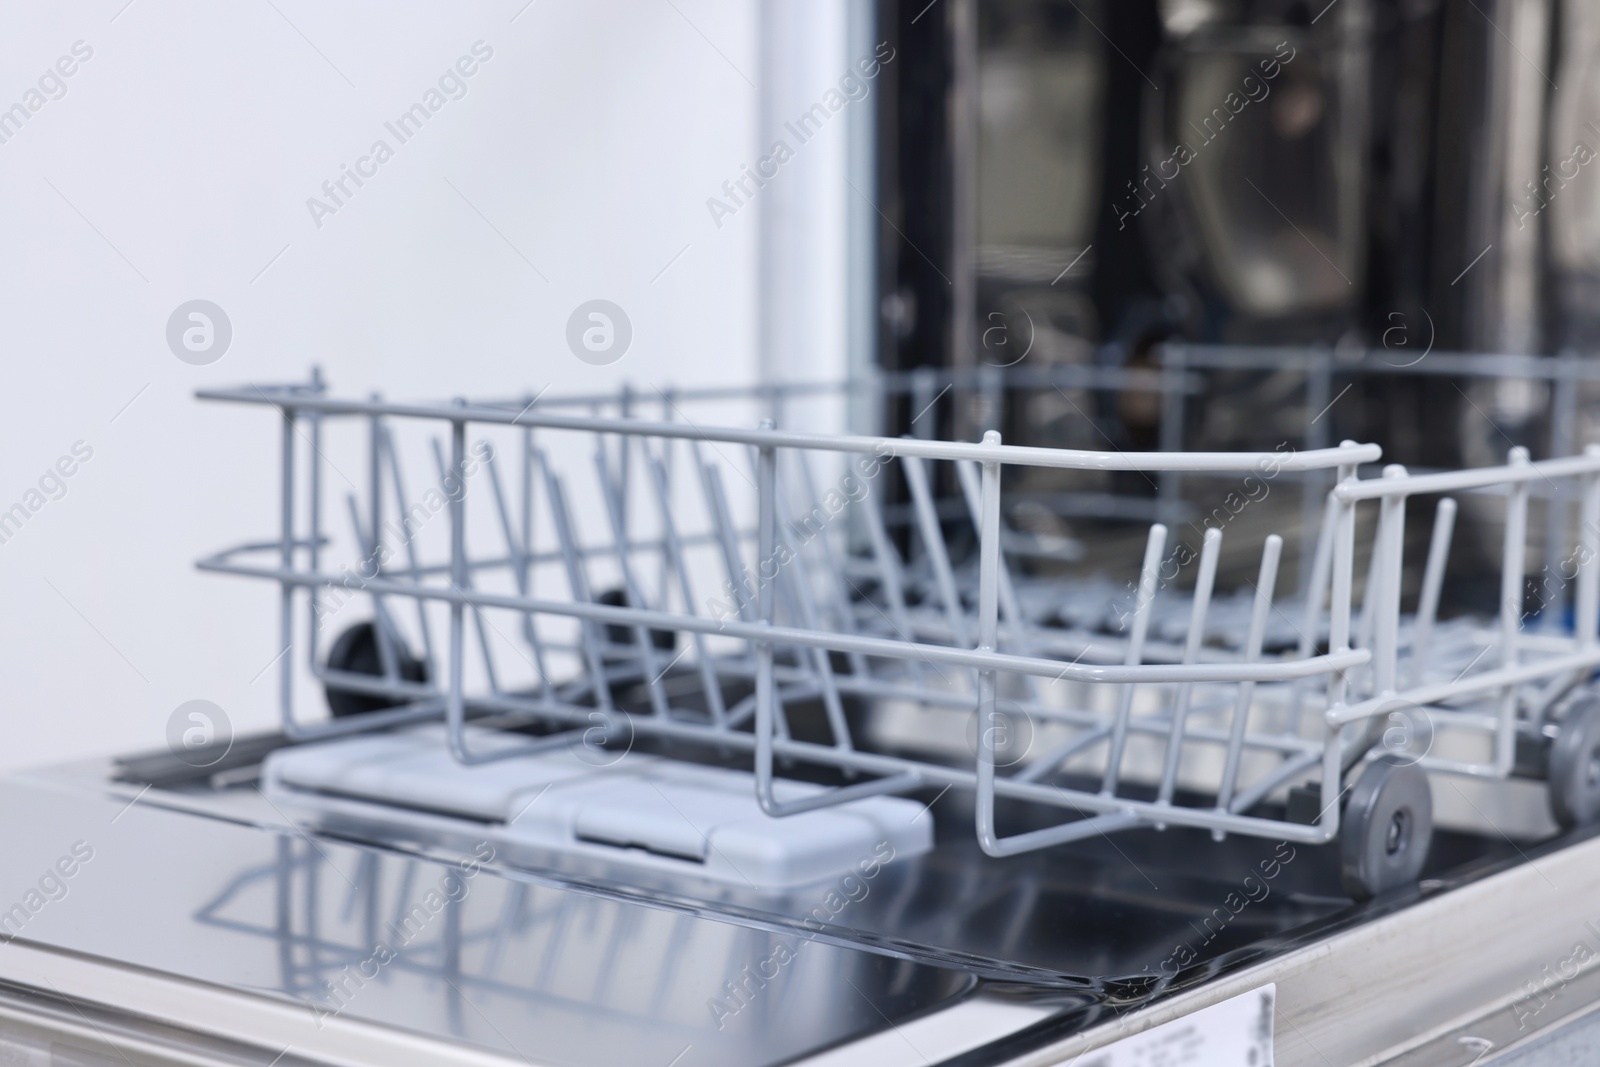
(1186,595)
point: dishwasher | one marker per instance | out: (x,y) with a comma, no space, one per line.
(658,734)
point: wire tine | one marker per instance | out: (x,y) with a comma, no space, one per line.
(891,575)
(578,581)
(382,625)
(1368,617)
(933,544)
(645,639)
(1444,522)
(1047,764)
(314,594)
(1266,583)
(1512,585)
(1587,604)
(666,452)
(520,570)
(739,585)
(526,448)
(1210,548)
(967,473)
(674,555)
(1292,767)
(466,582)
(839,586)
(625,459)
(1148,576)
(1385,599)
(414,564)
(1316,599)
(794,584)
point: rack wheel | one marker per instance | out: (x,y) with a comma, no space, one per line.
(1575,765)
(1387,828)
(356,650)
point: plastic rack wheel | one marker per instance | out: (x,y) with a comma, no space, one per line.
(356,651)
(1387,828)
(1575,765)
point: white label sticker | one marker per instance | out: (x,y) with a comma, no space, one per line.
(1234,1033)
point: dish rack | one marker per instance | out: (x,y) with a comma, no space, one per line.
(731,594)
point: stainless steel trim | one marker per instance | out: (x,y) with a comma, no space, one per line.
(1400,989)
(265,1022)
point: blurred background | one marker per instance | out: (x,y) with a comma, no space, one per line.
(1298,222)
(1312,221)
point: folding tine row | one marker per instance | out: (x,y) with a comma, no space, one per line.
(1494,681)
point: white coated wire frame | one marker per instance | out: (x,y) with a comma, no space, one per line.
(987,643)
(936,395)
(1183,372)
(1518,660)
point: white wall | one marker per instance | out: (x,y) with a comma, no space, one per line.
(178,165)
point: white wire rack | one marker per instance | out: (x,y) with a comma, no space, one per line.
(821,613)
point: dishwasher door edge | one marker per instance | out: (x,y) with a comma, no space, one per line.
(277,1026)
(1511,955)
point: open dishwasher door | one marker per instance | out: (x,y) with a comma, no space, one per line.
(217,937)
(206,929)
